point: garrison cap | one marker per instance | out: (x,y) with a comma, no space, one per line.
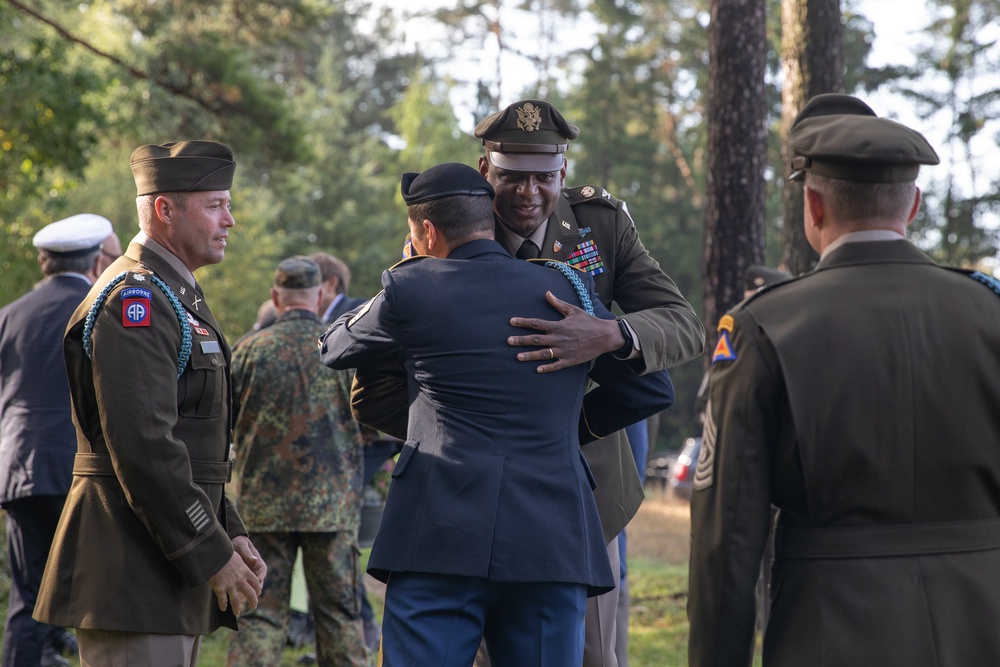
(530,135)
(182,166)
(450,179)
(758,275)
(298,272)
(73,236)
(839,136)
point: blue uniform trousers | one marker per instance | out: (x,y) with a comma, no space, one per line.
(433,619)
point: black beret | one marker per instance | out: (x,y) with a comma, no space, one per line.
(297,273)
(182,166)
(839,136)
(530,135)
(450,179)
(758,275)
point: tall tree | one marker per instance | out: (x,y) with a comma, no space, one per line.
(812,56)
(953,84)
(737,148)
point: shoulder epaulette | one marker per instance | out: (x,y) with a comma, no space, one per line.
(139,276)
(407,260)
(979,277)
(589,194)
(574,278)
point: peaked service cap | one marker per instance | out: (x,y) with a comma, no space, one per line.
(530,135)
(76,235)
(839,136)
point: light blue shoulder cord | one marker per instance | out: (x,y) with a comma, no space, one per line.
(989,281)
(185,352)
(581,291)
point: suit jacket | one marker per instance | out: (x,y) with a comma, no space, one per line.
(345,304)
(37,439)
(862,400)
(491,482)
(146,522)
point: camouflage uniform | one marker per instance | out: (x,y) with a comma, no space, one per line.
(299,463)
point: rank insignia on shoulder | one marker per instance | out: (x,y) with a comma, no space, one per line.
(724,350)
(139,277)
(587,191)
(136,306)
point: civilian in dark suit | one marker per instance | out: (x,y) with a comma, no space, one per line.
(336,282)
(490,527)
(37,439)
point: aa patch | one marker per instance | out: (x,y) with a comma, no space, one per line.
(724,349)
(136,306)
(587,258)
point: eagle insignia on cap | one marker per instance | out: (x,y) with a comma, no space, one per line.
(529,117)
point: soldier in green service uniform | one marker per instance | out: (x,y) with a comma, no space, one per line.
(299,463)
(590,229)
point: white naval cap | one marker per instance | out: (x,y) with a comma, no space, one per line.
(75,235)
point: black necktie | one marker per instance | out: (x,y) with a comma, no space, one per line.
(528,250)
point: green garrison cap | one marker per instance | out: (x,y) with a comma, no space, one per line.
(839,136)
(182,166)
(530,135)
(297,272)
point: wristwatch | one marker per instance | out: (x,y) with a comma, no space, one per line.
(625,350)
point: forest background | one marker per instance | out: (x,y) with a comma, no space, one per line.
(327,102)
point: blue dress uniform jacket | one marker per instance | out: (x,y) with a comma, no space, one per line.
(37,439)
(863,401)
(491,481)
(146,522)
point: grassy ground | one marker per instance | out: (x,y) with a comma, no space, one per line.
(657,563)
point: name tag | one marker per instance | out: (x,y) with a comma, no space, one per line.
(210,346)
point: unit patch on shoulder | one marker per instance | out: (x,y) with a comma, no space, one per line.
(136,306)
(724,349)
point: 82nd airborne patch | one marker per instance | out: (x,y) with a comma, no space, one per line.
(136,306)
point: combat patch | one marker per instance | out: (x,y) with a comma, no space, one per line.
(137,304)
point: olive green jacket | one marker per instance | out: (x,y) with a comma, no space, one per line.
(146,522)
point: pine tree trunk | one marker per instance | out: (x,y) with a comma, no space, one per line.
(737,136)
(812,55)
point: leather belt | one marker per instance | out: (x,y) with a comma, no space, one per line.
(202,472)
(887,540)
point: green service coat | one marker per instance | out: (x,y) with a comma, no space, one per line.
(146,522)
(863,401)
